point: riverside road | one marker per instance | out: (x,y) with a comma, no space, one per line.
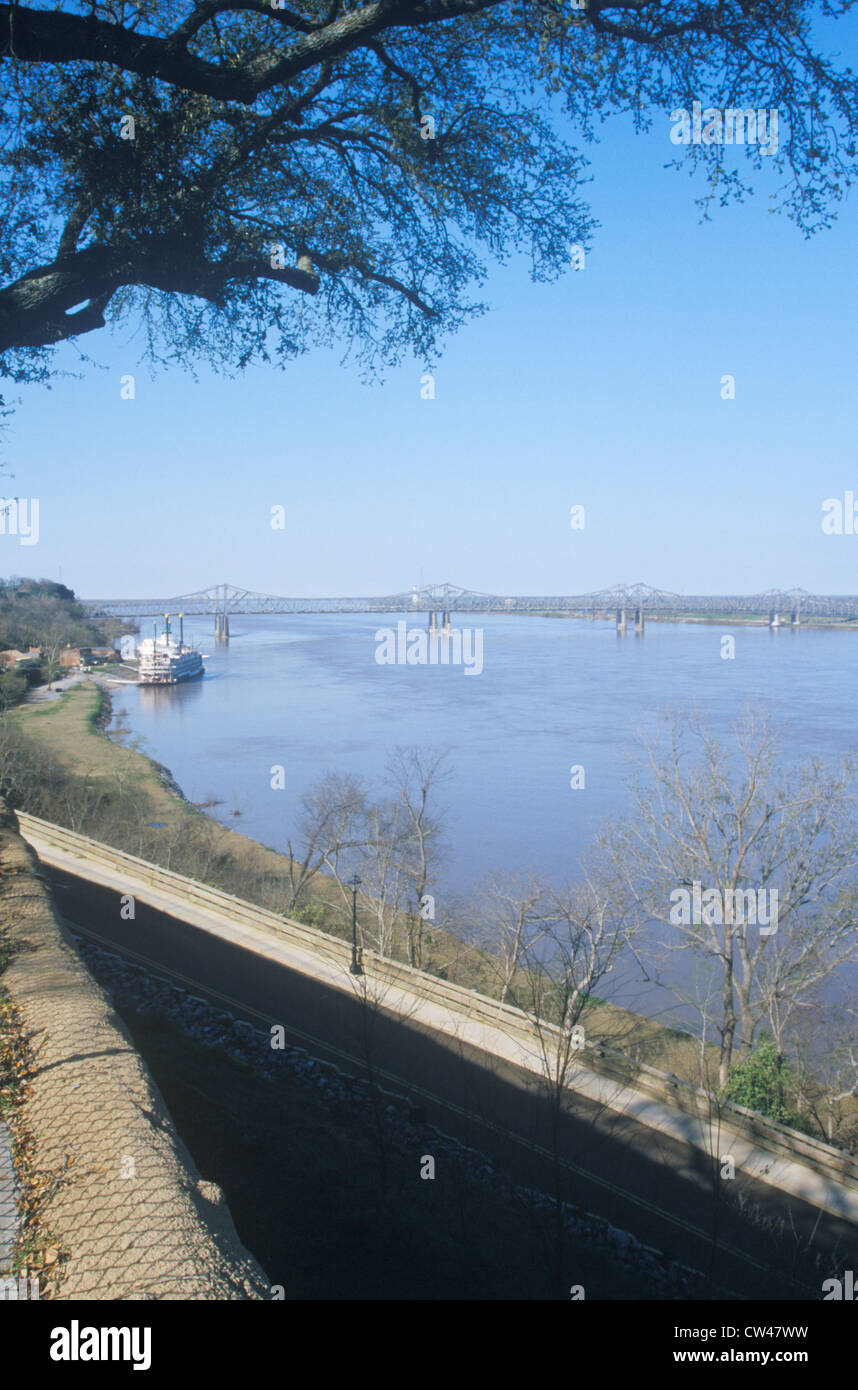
(636,1177)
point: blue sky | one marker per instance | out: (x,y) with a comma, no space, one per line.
(601,390)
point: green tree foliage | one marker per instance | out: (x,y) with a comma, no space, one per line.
(41,613)
(386,149)
(762,1083)
(13,685)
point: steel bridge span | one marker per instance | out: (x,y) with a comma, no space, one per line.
(630,602)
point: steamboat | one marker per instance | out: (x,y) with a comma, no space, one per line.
(162,660)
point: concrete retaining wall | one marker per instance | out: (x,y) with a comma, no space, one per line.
(831,1163)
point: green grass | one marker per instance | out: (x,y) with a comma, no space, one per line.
(48,707)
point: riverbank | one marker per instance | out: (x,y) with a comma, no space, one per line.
(717,620)
(48,693)
(116,794)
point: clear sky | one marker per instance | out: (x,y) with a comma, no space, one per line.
(602,390)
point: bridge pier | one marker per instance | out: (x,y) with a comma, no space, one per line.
(222,627)
(777,619)
(433,624)
(621,621)
(639,621)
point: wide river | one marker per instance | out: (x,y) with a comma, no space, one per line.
(307,692)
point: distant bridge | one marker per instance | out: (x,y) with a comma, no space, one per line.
(778,606)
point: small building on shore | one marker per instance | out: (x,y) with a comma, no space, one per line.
(17,660)
(70,657)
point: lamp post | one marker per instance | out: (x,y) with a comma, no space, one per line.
(355,968)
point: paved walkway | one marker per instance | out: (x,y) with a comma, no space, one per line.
(41,694)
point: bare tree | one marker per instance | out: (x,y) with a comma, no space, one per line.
(383,887)
(723,826)
(824,1058)
(52,645)
(332,823)
(586,931)
(415,775)
(505,918)
(395,855)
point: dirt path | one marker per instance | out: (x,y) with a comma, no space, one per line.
(42,694)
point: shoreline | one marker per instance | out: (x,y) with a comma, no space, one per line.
(159,824)
(705,620)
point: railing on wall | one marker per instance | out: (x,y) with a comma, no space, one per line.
(604,1061)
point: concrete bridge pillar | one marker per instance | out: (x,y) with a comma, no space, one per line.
(621,621)
(796,618)
(433,622)
(774,620)
(445,623)
(639,621)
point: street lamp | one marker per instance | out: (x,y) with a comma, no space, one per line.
(355,968)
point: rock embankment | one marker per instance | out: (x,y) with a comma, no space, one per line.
(132,1217)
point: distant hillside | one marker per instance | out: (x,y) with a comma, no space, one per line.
(42,613)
